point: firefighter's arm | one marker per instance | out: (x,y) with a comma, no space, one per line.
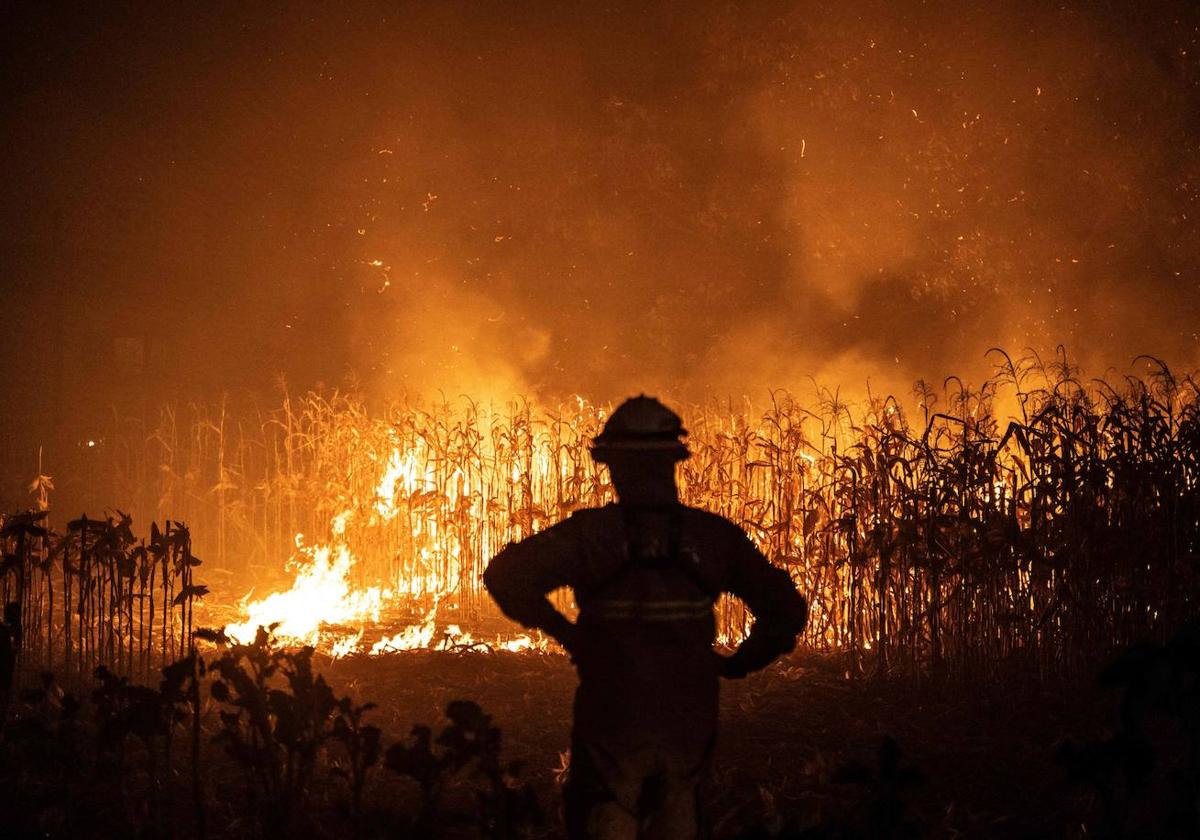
(522,574)
(780,612)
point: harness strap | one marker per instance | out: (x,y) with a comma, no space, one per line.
(673,610)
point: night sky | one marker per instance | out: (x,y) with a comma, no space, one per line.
(561,198)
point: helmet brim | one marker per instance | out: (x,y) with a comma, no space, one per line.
(603,450)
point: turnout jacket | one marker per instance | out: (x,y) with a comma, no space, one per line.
(646,579)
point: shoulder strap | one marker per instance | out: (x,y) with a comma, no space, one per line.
(635,559)
(676,559)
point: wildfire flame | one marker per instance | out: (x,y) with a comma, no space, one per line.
(321,594)
(322,600)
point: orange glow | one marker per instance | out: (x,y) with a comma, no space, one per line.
(325,608)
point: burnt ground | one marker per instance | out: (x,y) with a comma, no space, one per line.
(986,755)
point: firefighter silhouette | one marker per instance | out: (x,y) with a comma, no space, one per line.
(646,573)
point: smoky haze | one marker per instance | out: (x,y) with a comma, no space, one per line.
(564,198)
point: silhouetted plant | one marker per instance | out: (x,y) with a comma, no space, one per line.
(362,745)
(10,643)
(44,764)
(417,761)
(123,712)
(103,772)
(1145,776)
(280,714)
(87,597)
(880,811)
(470,749)
(180,693)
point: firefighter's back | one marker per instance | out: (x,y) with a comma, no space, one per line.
(646,623)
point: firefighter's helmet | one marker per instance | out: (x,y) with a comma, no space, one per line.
(641,425)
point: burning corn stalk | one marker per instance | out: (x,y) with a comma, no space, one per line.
(929,534)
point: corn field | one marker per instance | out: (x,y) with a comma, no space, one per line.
(929,534)
(95,596)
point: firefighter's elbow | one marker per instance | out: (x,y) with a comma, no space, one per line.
(495,577)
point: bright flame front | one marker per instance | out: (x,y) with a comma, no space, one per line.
(324,608)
